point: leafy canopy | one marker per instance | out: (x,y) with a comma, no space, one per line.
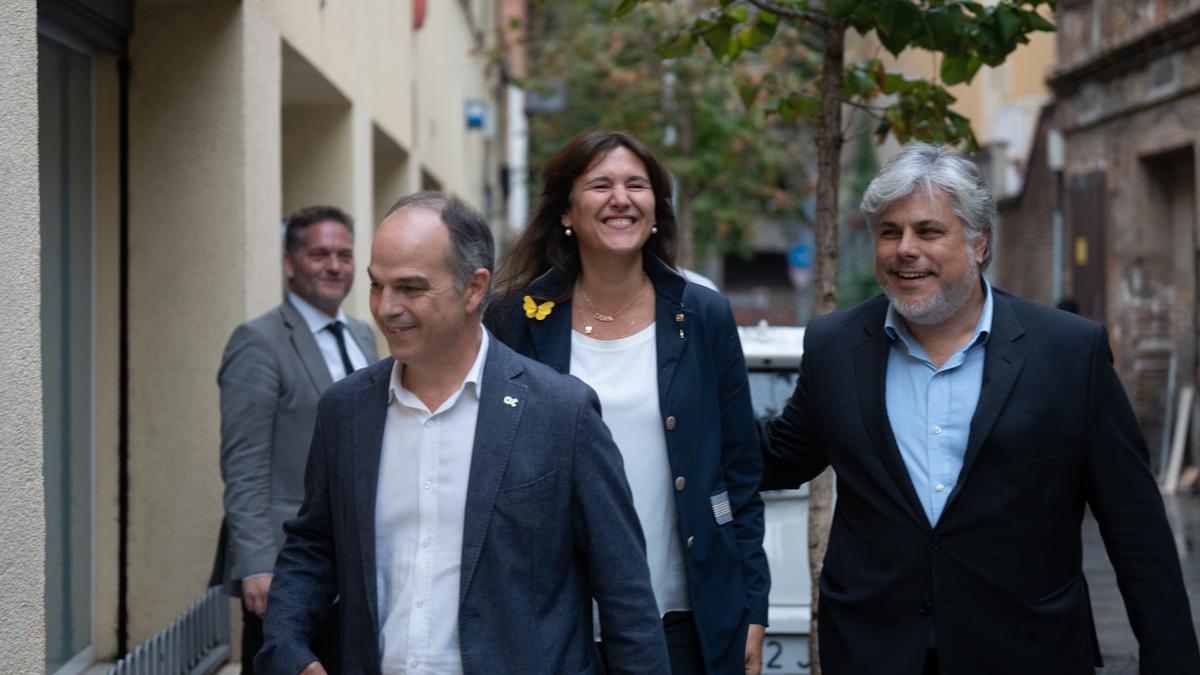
(966,35)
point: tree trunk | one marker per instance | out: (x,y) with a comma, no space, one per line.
(829,152)
(685,212)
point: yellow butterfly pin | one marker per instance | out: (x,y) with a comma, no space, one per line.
(536,311)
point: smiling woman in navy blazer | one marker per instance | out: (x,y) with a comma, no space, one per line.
(589,289)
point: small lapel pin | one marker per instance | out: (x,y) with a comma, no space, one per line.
(680,333)
(679,318)
(510,401)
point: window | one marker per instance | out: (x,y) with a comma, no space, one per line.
(66,168)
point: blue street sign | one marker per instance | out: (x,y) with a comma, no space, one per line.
(800,256)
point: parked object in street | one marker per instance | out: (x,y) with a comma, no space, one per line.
(773,359)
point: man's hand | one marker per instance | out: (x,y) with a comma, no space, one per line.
(754,644)
(314,668)
(254,594)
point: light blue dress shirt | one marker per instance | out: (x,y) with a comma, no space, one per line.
(930,408)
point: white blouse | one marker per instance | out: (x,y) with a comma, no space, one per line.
(624,375)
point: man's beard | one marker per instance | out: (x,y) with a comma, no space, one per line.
(941,306)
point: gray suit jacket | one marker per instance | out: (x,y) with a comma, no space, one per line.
(549,524)
(272,375)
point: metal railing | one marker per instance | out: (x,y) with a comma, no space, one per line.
(196,642)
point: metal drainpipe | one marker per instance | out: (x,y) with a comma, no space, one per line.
(123,359)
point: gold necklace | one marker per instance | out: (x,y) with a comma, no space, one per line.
(608,318)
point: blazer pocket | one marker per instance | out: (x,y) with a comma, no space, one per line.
(1050,448)
(533,490)
(1063,596)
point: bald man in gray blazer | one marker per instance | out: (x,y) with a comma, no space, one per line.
(273,372)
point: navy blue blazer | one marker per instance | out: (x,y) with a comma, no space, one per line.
(549,524)
(998,579)
(712,443)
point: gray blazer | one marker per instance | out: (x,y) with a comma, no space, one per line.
(549,524)
(272,375)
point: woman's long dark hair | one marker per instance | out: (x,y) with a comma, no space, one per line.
(543,245)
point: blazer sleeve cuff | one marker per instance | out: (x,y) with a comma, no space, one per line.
(275,659)
(262,562)
(759,610)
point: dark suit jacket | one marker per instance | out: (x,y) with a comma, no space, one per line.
(272,374)
(549,523)
(999,577)
(711,440)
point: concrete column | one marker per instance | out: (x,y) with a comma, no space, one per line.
(204,256)
(22,518)
(390,175)
(362,205)
(318,157)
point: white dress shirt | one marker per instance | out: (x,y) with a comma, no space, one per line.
(318,322)
(419,513)
(624,374)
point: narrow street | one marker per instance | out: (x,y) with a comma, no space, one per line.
(1117,643)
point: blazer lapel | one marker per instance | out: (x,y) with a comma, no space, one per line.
(552,337)
(306,347)
(672,322)
(870,370)
(366,342)
(370,414)
(1002,363)
(495,433)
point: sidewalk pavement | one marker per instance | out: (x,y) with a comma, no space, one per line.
(1117,642)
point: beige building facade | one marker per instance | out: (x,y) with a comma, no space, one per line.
(22,529)
(150,150)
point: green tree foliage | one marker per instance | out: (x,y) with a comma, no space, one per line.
(966,35)
(732,169)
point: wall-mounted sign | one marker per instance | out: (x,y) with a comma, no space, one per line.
(476,113)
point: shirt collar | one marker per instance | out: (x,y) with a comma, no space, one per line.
(315,318)
(896,329)
(474,378)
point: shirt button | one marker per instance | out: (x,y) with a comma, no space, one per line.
(939,487)
(691,543)
(428,484)
(426,543)
(429,422)
(680,483)
(420,604)
(926,608)
(671,423)
(937,430)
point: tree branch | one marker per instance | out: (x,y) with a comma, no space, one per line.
(818,18)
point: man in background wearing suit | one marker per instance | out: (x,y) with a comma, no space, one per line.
(969,429)
(274,370)
(465,503)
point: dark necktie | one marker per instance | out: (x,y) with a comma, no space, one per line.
(338,329)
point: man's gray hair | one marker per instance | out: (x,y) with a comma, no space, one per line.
(471,243)
(928,167)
